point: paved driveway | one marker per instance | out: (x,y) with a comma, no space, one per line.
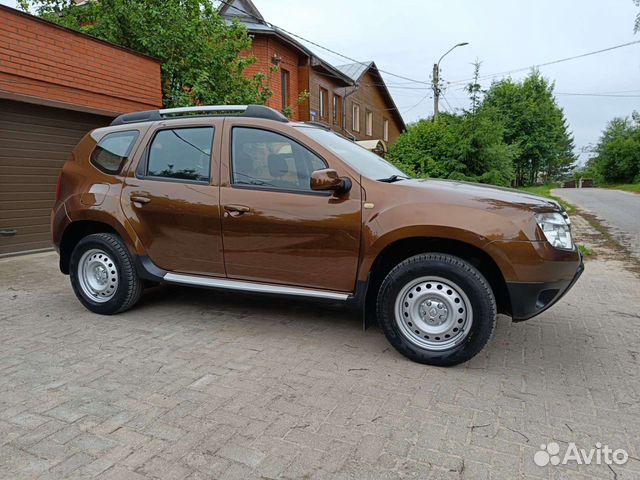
(617,209)
(195,384)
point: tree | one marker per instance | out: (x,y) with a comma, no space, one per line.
(636,27)
(466,146)
(617,158)
(200,52)
(534,124)
(460,147)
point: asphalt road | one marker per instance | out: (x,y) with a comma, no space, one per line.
(618,210)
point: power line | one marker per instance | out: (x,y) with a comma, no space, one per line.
(418,103)
(447,102)
(597,95)
(553,62)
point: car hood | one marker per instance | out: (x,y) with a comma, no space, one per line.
(484,196)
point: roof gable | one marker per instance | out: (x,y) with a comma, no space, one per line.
(244,10)
(357,70)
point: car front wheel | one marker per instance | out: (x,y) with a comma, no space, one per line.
(436,309)
(102,274)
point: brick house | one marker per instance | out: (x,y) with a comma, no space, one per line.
(351,99)
(55,86)
(371,111)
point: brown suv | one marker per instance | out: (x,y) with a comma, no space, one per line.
(239,198)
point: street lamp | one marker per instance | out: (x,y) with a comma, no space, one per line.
(436,78)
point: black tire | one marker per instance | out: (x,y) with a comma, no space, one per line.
(447,267)
(129,286)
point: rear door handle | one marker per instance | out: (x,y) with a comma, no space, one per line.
(139,199)
(235,210)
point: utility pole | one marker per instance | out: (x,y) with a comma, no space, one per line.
(436,80)
(436,89)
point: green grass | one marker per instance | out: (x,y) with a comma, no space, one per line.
(627,187)
(585,251)
(545,191)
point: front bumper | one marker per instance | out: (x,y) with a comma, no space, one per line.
(531,299)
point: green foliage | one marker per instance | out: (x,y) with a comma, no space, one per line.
(514,132)
(617,158)
(460,147)
(627,187)
(302,97)
(200,53)
(534,124)
(586,252)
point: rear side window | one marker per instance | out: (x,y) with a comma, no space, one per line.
(112,150)
(181,154)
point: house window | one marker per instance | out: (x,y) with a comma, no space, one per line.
(284,84)
(368,119)
(324,103)
(385,130)
(355,114)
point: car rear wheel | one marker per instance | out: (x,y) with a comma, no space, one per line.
(436,309)
(102,274)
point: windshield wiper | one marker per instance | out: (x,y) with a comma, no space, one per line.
(393,178)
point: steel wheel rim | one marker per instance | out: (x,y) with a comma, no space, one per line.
(433,313)
(98,275)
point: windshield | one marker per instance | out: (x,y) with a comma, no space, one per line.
(365,162)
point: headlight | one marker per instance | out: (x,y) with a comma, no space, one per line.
(556,228)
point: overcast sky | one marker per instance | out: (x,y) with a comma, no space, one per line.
(407,37)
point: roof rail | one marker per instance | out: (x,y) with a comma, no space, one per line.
(252,111)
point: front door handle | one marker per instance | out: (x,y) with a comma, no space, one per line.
(235,210)
(139,199)
(8,232)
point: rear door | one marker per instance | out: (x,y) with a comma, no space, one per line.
(171,197)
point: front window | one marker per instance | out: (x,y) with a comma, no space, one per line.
(367,163)
(265,159)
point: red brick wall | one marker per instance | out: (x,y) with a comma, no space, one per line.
(264,47)
(41,60)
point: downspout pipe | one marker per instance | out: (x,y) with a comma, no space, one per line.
(344,110)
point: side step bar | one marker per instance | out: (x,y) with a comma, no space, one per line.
(244,286)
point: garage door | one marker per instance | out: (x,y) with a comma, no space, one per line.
(34,143)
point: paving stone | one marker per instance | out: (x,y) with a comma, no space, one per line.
(195,384)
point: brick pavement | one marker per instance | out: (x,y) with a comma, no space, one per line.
(194,384)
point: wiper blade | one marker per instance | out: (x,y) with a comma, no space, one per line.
(393,178)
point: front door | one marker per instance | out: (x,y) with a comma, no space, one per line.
(275,229)
(172,199)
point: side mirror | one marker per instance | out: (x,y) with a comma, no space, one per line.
(328,179)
